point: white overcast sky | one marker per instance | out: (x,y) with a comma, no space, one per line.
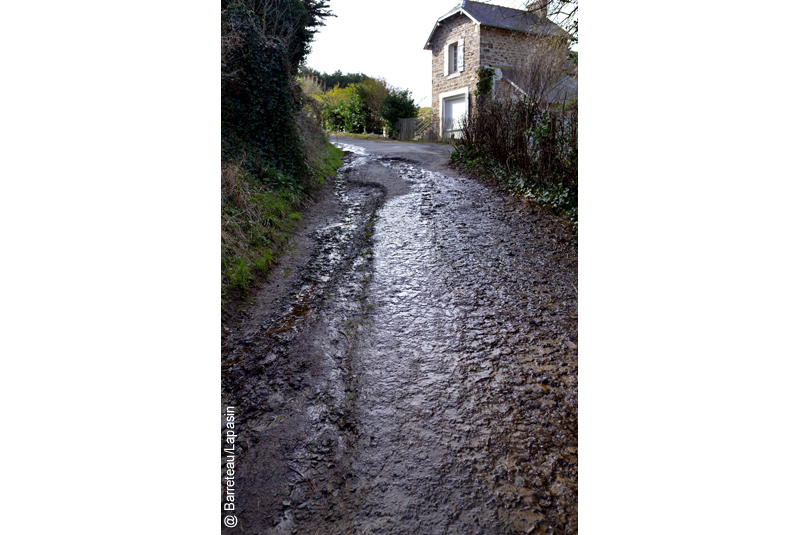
(383,40)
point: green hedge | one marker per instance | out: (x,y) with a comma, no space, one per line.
(259,104)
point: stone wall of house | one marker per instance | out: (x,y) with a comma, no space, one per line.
(504,48)
(454,28)
(507,48)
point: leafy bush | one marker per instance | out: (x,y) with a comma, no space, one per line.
(398,105)
(356,108)
(485,83)
(344,110)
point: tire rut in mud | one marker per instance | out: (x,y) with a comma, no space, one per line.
(290,380)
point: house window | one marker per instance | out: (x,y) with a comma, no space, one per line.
(452,56)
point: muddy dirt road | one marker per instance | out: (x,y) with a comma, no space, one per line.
(412,367)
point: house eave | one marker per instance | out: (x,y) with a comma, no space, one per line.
(442,18)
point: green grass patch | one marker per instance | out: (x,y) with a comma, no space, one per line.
(260,213)
(327,165)
(373,137)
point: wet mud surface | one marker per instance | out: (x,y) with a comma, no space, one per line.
(416,370)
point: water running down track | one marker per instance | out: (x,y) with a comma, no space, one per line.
(420,373)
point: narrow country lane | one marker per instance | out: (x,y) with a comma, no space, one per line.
(413,366)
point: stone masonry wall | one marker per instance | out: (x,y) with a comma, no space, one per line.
(506,48)
(503,48)
(452,29)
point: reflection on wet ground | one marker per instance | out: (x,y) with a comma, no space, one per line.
(423,376)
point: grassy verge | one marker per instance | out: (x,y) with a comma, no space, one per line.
(373,137)
(376,137)
(258,216)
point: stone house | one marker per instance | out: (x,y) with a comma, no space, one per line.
(474,35)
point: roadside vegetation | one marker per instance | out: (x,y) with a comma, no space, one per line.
(275,155)
(520,136)
(372,137)
(527,149)
(356,103)
(258,217)
(330,81)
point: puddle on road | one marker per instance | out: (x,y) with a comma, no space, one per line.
(354,149)
(446,397)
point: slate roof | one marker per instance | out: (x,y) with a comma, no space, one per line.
(512,19)
(501,17)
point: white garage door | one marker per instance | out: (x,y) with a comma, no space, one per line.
(455,111)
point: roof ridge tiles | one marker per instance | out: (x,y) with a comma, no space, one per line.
(495,5)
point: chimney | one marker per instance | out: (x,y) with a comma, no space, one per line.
(538,8)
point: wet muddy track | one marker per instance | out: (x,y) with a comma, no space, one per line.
(420,373)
